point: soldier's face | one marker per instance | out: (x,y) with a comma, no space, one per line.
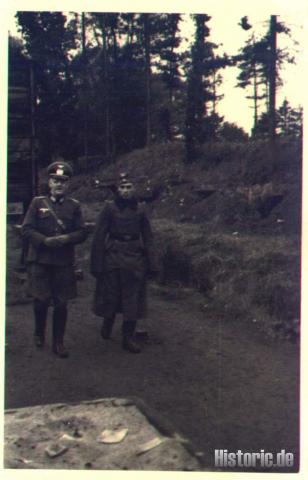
(126,190)
(58,186)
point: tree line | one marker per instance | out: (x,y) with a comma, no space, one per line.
(108,83)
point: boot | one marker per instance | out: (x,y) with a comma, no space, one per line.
(39,341)
(40,317)
(128,342)
(59,349)
(107,327)
(59,323)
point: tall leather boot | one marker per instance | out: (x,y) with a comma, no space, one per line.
(107,327)
(128,342)
(58,330)
(40,317)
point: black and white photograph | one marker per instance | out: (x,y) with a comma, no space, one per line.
(153,233)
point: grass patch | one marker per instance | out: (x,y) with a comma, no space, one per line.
(243,277)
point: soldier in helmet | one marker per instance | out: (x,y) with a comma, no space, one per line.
(121,257)
(53,225)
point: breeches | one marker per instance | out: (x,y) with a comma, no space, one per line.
(49,282)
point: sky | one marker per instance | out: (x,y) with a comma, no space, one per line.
(224,29)
(234,106)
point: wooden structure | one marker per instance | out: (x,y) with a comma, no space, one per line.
(21,161)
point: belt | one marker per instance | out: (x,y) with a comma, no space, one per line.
(124,238)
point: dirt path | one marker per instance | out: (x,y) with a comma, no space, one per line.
(220,384)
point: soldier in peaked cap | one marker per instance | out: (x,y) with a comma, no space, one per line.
(53,225)
(60,170)
(121,256)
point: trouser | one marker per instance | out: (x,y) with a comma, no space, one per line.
(59,319)
(128,329)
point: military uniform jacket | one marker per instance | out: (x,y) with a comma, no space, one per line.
(123,239)
(39,223)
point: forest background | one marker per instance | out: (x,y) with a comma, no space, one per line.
(95,73)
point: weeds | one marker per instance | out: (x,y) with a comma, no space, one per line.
(250,277)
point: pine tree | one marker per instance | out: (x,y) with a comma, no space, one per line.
(289,121)
(252,65)
(201,121)
(196,94)
(168,63)
(47,42)
(260,62)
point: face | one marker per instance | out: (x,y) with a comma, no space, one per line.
(126,190)
(58,186)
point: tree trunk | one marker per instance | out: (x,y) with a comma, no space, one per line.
(272,77)
(255,86)
(148,77)
(106,84)
(85,105)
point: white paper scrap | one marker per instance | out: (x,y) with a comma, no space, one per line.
(155,442)
(112,436)
(55,449)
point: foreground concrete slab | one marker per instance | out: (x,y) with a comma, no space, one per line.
(105,434)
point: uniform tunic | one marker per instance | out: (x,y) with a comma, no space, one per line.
(51,270)
(122,253)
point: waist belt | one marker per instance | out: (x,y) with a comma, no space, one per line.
(124,238)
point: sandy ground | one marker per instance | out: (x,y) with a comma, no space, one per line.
(221,384)
(103,434)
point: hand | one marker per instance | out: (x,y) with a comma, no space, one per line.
(63,239)
(56,242)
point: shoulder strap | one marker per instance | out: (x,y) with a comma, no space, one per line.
(55,216)
(74,200)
